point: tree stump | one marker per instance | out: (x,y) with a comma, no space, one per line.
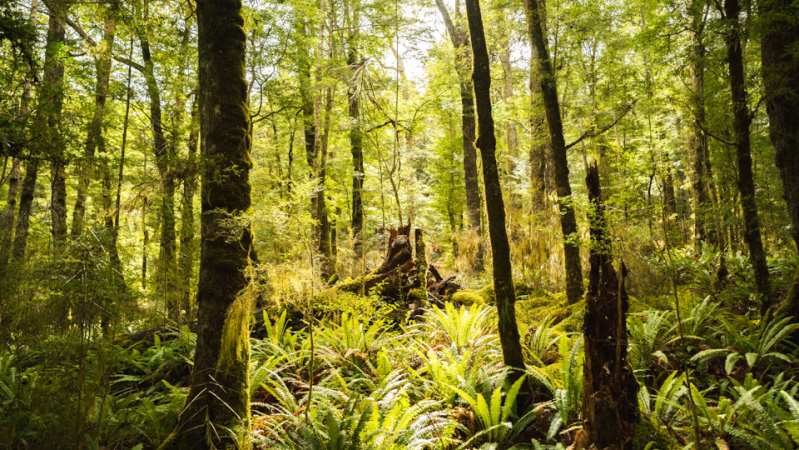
(610,391)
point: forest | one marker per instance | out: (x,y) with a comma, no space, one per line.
(385,224)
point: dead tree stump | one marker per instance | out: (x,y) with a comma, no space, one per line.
(610,391)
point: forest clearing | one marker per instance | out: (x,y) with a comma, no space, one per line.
(385,224)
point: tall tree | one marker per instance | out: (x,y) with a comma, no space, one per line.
(16,163)
(463,57)
(164,157)
(217,406)
(95,140)
(549,93)
(354,109)
(187,244)
(780,57)
(500,248)
(53,138)
(742,118)
(697,142)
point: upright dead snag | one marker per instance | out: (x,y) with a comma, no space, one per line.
(610,402)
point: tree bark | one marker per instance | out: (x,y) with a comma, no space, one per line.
(500,248)
(549,93)
(217,406)
(95,140)
(610,390)
(741,121)
(780,59)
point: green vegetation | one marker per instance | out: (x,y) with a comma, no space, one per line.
(447,224)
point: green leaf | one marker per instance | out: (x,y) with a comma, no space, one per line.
(732,359)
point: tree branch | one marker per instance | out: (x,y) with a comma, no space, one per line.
(592,134)
(708,133)
(76,26)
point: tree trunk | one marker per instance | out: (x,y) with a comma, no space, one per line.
(53,103)
(781,79)
(95,141)
(697,142)
(217,408)
(463,57)
(538,136)
(187,244)
(610,390)
(746,185)
(8,222)
(500,248)
(167,267)
(356,138)
(25,204)
(568,222)
(16,164)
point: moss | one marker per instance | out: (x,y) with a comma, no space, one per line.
(651,436)
(487,292)
(234,363)
(467,297)
(417,295)
(355,286)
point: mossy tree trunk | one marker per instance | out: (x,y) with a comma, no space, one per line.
(568,221)
(217,407)
(610,390)
(780,56)
(500,248)
(742,118)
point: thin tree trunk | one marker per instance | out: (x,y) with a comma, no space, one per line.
(500,248)
(571,250)
(356,138)
(746,185)
(463,57)
(8,222)
(95,140)
(167,268)
(54,81)
(16,164)
(187,244)
(217,410)
(698,141)
(25,204)
(781,79)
